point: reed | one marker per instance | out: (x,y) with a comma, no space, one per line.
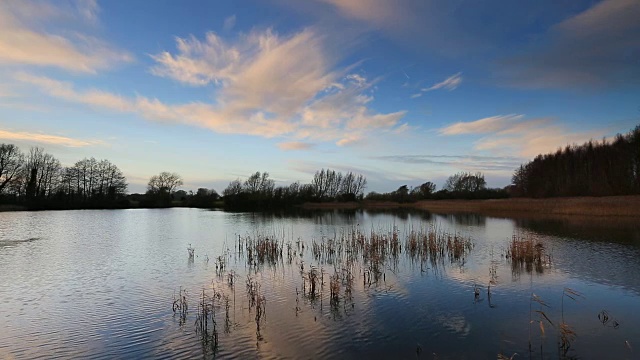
(260,306)
(313,281)
(180,305)
(526,252)
(253,291)
(567,333)
(206,315)
(262,249)
(542,316)
(584,206)
(334,286)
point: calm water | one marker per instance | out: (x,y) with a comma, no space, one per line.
(100,284)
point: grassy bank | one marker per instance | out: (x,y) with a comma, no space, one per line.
(585,206)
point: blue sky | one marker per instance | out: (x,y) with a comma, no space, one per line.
(402,91)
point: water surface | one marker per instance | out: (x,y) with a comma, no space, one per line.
(100,284)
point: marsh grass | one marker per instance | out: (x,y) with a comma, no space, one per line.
(261,249)
(206,319)
(180,305)
(567,334)
(525,252)
(541,318)
(334,287)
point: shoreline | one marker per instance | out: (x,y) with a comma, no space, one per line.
(626,206)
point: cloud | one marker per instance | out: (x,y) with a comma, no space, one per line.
(65,90)
(88,9)
(347,128)
(229,23)
(513,134)
(380,12)
(598,47)
(295,145)
(467,162)
(450,83)
(22,44)
(45,139)
(266,85)
(5,92)
(482,126)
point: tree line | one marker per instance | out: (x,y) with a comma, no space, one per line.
(463,185)
(38,180)
(592,169)
(259,191)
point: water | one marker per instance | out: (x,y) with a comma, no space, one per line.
(100,284)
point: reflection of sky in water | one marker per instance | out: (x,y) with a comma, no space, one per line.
(100,284)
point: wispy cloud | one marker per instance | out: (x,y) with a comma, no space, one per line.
(295,145)
(23,42)
(514,134)
(466,162)
(348,130)
(46,139)
(591,49)
(450,83)
(267,85)
(229,23)
(5,92)
(88,9)
(482,126)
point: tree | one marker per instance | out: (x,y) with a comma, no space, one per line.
(41,175)
(465,182)
(401,194)
(234,188)
(11,160)
(165,182)
(424,191)
(259,183)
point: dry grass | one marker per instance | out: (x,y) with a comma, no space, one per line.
(587,206)
(261,249)
(526,252)
(180,305)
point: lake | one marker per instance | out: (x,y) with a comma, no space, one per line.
(332,284)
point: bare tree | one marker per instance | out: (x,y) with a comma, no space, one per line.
(164,182)
(234,188)
(11,160)
(41,174)
(466,182)
(320,184)
(259,183)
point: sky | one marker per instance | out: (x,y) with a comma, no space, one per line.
(403,91)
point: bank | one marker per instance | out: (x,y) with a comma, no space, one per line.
(628,206)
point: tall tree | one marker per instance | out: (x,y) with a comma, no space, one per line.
(165,182)
(11,161)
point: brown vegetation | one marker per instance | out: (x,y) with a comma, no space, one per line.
(589,206)
(628,206)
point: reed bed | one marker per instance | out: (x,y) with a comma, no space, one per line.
(377,248)
(262,249)
(351,254)
(528,253)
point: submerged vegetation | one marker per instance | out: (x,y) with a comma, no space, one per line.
(525,252)
(331,274)
(339,261)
